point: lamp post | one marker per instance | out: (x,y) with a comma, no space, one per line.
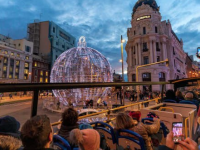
(122,60)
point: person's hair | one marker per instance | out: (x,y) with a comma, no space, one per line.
(124,121)
(179,94)
(170,94)
(195,97)
(69,117)
(189,96)
(35,132)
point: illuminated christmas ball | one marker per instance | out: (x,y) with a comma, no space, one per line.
(81,64)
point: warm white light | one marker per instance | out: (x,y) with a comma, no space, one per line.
(123,41)
(120,60)
(81,64)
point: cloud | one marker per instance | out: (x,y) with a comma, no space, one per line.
(101,22)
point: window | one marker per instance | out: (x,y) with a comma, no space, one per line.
(56,43)
(16,76)
(174,51)
(54,29)
(5,60)
(161,76)
(145,47)
(134,50)
(27,48)
(83,114)
(157,46)
(26,65)
(41,79)
(46,80)
(146,76)
(17,62)
(133,77)
(18,55)
(36,72)
(17,70)
(41,73)
(47,73)
(25,71)
(5,68)
(12,54)
(156,29)
(146,60)
(174,63)
(10,76)
(158,58)
(134,32)
(6,52)
(19,44)
(27,58)
(35,64)
(56,56)
(11,62)
(38,64)
(64,36)
(63,46)
(144,30)
(11,69)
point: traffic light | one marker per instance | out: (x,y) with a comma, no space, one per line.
(167,62)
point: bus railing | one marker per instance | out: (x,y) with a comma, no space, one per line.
(114,109)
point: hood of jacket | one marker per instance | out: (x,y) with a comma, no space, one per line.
(65,130)
(9,142)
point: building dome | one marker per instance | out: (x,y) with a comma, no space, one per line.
(151,3)
(81,64)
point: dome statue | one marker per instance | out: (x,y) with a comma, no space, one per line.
(77,65)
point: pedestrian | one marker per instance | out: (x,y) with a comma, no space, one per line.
(98,102)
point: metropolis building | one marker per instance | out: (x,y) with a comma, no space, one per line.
(152,40)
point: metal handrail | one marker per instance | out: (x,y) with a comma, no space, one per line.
(186,133)
(160,109)
(109,110)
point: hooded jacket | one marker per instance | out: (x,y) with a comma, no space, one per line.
(144,130)
(9,143)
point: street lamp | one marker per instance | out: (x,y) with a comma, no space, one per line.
(122,61)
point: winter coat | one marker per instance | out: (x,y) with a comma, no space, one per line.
(65,130)
(163,147)
(9,143)
(144,130)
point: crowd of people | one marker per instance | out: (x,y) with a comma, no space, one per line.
(37,133)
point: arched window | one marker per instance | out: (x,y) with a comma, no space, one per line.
(146,76)
(162,76)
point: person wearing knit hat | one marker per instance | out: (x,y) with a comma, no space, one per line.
(87,139)
(9,133)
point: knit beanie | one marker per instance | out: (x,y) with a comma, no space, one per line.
(89,139)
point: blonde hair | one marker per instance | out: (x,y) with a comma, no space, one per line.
(189,96)
(124,121)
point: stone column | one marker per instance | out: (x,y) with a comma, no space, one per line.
(14,68)
(130,57)
(164,52)
(151,52)
(154,51)
(8,68)
(136,54)
(139,54)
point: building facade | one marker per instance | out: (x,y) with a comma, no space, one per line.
(15,60)
(49,40)
(40,70)
(152,40)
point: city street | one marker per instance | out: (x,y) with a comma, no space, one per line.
(21,110)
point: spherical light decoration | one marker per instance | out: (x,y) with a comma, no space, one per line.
(81,64)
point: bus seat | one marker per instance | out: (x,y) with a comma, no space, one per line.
(128,142)
(162,125)
(189,102)
(61,143)
(170,101)
(107,133)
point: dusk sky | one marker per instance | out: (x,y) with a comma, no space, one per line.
(102,22)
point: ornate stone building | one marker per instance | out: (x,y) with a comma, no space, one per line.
(151,40)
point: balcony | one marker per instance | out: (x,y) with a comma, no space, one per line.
(145,50)
(158,49)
